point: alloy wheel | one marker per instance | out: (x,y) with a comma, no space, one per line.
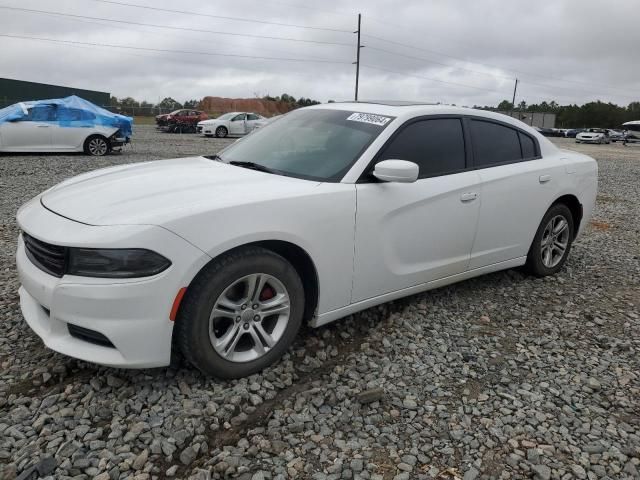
(555,240)
(249,317)
(98,147)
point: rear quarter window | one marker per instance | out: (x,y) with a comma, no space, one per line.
(528,145)
(494,144)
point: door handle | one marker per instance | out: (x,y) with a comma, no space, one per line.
(43,126)
(468,197)
(544,178)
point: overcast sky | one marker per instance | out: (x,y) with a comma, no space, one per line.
(465,52)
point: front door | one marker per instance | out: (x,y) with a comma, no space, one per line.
(238,125)
(33,132)
(411,234)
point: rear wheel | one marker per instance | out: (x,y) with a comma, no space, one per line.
(552,242)
(96,146)
(241,313)
(221,132)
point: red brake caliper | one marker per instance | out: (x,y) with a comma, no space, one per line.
(267,293)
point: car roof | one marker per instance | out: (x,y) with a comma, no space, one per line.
(407,110)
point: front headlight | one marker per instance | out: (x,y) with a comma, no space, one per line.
(115,263)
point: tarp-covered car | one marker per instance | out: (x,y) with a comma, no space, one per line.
(69,124)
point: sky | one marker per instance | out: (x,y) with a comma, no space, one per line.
(463,52)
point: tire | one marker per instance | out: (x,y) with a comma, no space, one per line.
(97,146)
(222,132)
(538,261)
(222,283)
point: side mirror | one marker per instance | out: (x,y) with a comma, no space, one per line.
(399,171)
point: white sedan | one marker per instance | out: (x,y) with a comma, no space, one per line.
(330,210)
(593,135)
(231,124)
(43,127)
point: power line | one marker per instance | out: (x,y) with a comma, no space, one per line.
(127,22)
(430,78)
(521,72)
(146,49)
(222,17)
(173,35)
(389,52)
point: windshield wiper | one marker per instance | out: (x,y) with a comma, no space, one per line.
(252,166)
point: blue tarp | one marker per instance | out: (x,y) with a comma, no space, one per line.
(67,112)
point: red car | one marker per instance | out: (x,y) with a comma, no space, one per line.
(183,116)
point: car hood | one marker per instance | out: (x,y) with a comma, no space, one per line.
(590,134)
(210,122)
(160,191)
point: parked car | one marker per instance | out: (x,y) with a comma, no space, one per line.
(183,116)
(593,135)
(631,132)
(615,135)
(233,123)
(572,132)
(69,124)
(549,132)
(327,211)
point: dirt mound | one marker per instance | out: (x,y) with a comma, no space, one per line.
(268,108)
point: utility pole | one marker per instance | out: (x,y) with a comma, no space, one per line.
(357,62)
(513,102)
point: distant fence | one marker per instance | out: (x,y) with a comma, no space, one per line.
(534,119)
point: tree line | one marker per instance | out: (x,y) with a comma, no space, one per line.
(592,114)
(131,106)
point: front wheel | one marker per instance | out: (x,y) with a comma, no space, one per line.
(552,242)
(221,132)
(96,146)
(241,313)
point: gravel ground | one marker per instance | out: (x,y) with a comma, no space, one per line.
(504,376)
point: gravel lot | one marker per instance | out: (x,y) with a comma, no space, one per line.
(504,376)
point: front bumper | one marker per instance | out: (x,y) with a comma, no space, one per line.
(133,314)
(119,141)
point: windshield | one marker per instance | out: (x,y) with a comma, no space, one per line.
(314,144)
(226,116)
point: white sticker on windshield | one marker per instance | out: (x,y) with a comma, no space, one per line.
(369,118)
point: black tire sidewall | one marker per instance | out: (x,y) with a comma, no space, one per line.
(534,258)
(205,290)
(86,145)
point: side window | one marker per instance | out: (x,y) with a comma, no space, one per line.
(528,146)
(494,144)
(42,113)
(436,145)
(238,117)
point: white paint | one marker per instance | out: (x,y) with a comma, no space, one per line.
(370,242)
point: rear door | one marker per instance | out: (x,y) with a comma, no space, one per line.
(72,128)
(408,234)
(252,119)
(517,188)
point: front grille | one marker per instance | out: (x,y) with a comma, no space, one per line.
(45,256)
(90,336)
